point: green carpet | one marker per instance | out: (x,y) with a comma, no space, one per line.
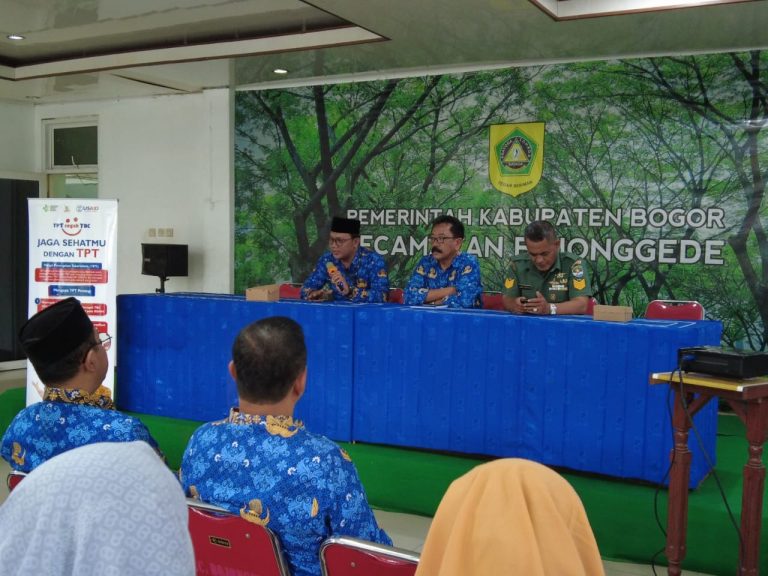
(621,513)
(172,435)
(11,401)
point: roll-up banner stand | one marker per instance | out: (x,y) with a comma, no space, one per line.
(73,252)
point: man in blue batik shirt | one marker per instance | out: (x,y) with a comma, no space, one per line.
(70,358)
(266,466)
(446,276)
(348,271)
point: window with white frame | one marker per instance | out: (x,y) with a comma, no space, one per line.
(72,157)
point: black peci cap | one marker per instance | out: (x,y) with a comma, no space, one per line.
(54,332)
(345,225)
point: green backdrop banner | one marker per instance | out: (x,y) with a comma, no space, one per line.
(653,170)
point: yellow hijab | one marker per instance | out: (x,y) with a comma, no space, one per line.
(510,517)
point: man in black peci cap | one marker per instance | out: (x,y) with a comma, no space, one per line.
(347,271)
(70,358)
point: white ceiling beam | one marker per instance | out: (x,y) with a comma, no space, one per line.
(285,43)
(575,9)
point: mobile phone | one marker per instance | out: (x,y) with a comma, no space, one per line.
(529,289)
(524,300)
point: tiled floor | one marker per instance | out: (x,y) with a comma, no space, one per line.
(407,531)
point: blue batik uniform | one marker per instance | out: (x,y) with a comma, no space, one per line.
(463,274)
(273,472)
(64,420)
(366,277)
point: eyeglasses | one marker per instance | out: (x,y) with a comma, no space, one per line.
(440,239)
(105,340)
(338,241)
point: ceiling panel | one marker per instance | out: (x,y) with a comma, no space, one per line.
(63,29)
(116,48)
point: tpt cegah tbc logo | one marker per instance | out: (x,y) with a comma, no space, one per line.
(516,156)
(71,226)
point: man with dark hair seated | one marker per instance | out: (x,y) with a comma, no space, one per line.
(446,276)
(347,272)
(546,281)
(267,467)
(70,358)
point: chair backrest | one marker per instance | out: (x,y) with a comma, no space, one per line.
(674,310)
(227,544)
(290,291)
(395,296)
(591,305)
(346,556)
(493,301)
(13,479)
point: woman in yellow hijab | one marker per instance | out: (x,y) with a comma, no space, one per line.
(510,517)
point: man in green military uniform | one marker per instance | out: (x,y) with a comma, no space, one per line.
(546,281)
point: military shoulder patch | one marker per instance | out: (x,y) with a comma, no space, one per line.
(577,270)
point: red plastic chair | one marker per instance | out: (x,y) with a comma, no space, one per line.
(290,291)
(346,556)
(395,296)
(13,479)
(674,310)
(493,301)
(591,305)
(227,544)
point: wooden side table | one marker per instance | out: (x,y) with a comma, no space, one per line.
(749,400)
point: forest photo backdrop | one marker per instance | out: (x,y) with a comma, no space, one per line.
(654,171)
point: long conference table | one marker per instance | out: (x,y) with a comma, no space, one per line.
(567,391)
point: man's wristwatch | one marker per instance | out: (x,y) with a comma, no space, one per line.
(553,309)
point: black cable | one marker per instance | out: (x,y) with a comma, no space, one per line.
(662,483)
(653,560)
(704,452)
(708,459)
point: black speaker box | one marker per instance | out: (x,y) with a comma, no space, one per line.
(164,260)
(720,361)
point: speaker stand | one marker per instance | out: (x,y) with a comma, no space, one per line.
(161,290)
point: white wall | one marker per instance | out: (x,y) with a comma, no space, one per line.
(168,160)
(17,137)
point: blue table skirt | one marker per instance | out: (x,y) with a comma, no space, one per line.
(565,391)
